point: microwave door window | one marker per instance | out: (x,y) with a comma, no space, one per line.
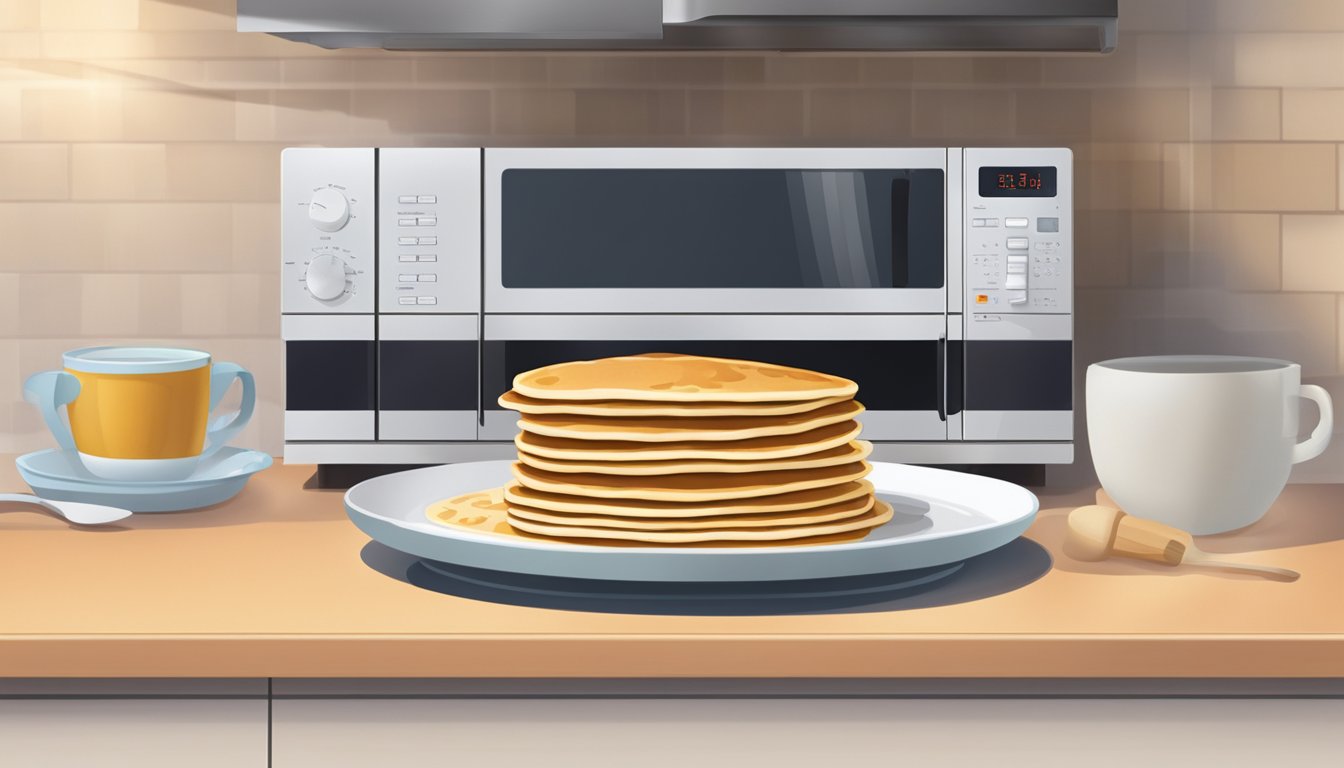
(710,228)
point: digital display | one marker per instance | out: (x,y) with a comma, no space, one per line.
(1017,181)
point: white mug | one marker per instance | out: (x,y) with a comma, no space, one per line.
(1204,443)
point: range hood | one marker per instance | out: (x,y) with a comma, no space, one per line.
(785,25)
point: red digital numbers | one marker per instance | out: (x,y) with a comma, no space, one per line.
(1020,180)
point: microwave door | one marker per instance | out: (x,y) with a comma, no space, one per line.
(727,231)
(897,360)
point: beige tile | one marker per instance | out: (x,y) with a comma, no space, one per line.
(710,69)
(205,305)
(168,237)
(253,305)
(255,235)
(224,172)
(1313,253)
(306,116)
(1245,114)
(196,15)
(610,71)
(1302,60)
(1053,114)
(482,69)
(1313,114)
(159,310)
(9,307)
(1286,15)
(341,72)
(889,69)
(745,113)
(119,171)
(110,305)
(1251,177)
(955,115)
(179,115)
(50,305)
(1118,176)
(1160,255)
(1163,59)
(935,71)
(1006,70)
(398,112)
(20,14)
(878,115)
(72,114)
(1119,68)
(11,114)
(52,237)
(534,112)
(34,172)
(812,69)
(1148,114)
(1238,251)
(629,112)
(254,116)
(1154,16)
(90,14)
(243,73)
(1102,248)
(20,45)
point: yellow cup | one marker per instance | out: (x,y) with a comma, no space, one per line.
(140,414)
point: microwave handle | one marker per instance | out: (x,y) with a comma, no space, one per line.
(942,376)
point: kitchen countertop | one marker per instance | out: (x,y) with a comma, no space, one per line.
(274,583)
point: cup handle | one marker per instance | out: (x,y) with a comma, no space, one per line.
(1320,436)
(49,391)
(225,427)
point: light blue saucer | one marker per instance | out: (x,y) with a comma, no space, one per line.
(57,475)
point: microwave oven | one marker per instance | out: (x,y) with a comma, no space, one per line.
(417,282)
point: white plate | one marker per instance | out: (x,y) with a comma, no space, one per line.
(941,517)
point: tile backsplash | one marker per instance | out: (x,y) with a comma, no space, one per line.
(139,165)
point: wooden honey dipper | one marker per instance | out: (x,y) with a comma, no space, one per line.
(1097,532)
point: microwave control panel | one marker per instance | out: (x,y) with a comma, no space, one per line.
(1018,231)
(327,257)
(429,230)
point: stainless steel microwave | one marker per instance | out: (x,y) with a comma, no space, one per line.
(416,282)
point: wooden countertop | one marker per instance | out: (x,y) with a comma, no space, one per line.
(274,584)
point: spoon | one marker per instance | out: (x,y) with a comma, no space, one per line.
(1097,532)
(74,511)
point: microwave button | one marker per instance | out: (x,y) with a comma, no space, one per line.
(406,278)
(406,257)
(1047,224)
(426,300)
(405,222)
(435,241)
(1018,243)
(429,278)
(405,199)
(991,222)
(1016,221)
(1015,282)
(429,257)
(427,199)
(427,221)
(406,241)
(405,299)
(977,222)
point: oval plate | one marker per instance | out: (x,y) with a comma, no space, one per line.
(941,517)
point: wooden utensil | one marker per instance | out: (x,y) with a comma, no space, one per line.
(1097,532)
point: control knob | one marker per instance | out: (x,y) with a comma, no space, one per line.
(325,277)
(328,210)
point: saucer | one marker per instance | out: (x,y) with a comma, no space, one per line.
(58,475)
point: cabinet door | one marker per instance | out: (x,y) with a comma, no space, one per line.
(133,733)
(780,733)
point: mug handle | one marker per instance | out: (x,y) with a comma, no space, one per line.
(225,427)
(49,391)
(1320,436)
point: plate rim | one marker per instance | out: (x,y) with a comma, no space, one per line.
(461,535)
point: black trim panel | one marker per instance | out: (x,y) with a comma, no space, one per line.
(892,375)
(1019,375)
(427,375)
(329,375)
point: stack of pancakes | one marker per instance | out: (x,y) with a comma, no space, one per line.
(674,449)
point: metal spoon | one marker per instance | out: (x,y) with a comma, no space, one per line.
(74,511)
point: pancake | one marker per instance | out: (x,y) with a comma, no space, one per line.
(484,512)
(523,404)
(665,377)
(755,449)
(680,429)
(811,498)
(852,451)
(830,512)
(879,514)
(696,486)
